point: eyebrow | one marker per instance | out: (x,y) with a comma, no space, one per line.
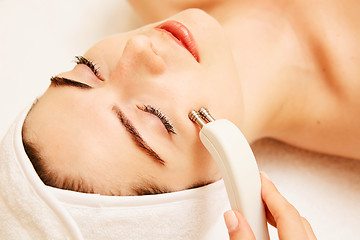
(136,137)
(61,81)
(149,188)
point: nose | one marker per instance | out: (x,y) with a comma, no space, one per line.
(140,57)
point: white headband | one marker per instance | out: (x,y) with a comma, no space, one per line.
(32,210)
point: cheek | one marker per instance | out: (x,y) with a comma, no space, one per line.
(223,92)
(193,161)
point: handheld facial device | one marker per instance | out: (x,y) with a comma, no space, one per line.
(238,167)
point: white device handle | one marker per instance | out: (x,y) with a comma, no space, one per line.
(237,164)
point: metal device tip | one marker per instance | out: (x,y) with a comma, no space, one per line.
(206,114)
(195,117)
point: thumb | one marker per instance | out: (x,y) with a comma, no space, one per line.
(237,226)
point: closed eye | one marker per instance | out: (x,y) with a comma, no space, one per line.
(90,64)
(154,111)
(57,81)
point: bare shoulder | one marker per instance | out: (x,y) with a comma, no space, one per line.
(328,112)
(338,31)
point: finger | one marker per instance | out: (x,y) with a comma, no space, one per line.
(237,226)
(269,217)
(308,229)
(287,219)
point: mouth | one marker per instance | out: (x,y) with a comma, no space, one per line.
(181,35)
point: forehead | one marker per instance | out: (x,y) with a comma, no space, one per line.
(78,140)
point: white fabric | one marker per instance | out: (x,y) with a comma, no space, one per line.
(27,210)
(190,214)
(31,210)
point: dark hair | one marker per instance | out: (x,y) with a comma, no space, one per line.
(33,152)
(50,178)
(47,176)
(35,159)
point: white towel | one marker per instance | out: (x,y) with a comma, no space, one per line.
(31,210)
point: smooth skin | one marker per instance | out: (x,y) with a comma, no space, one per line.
(298,64)
(280,214)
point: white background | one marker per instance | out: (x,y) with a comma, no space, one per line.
(40,38)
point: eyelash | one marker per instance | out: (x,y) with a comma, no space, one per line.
(146,108)
(161,116)
(90,64)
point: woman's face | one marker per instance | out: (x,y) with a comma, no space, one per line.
(111,136)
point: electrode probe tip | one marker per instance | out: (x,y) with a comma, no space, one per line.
(206,114)
(195,117)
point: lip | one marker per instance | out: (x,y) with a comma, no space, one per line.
(182,36)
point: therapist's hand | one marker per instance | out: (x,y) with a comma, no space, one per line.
(279,213)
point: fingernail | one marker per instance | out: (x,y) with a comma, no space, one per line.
(265,175)
(231,221)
